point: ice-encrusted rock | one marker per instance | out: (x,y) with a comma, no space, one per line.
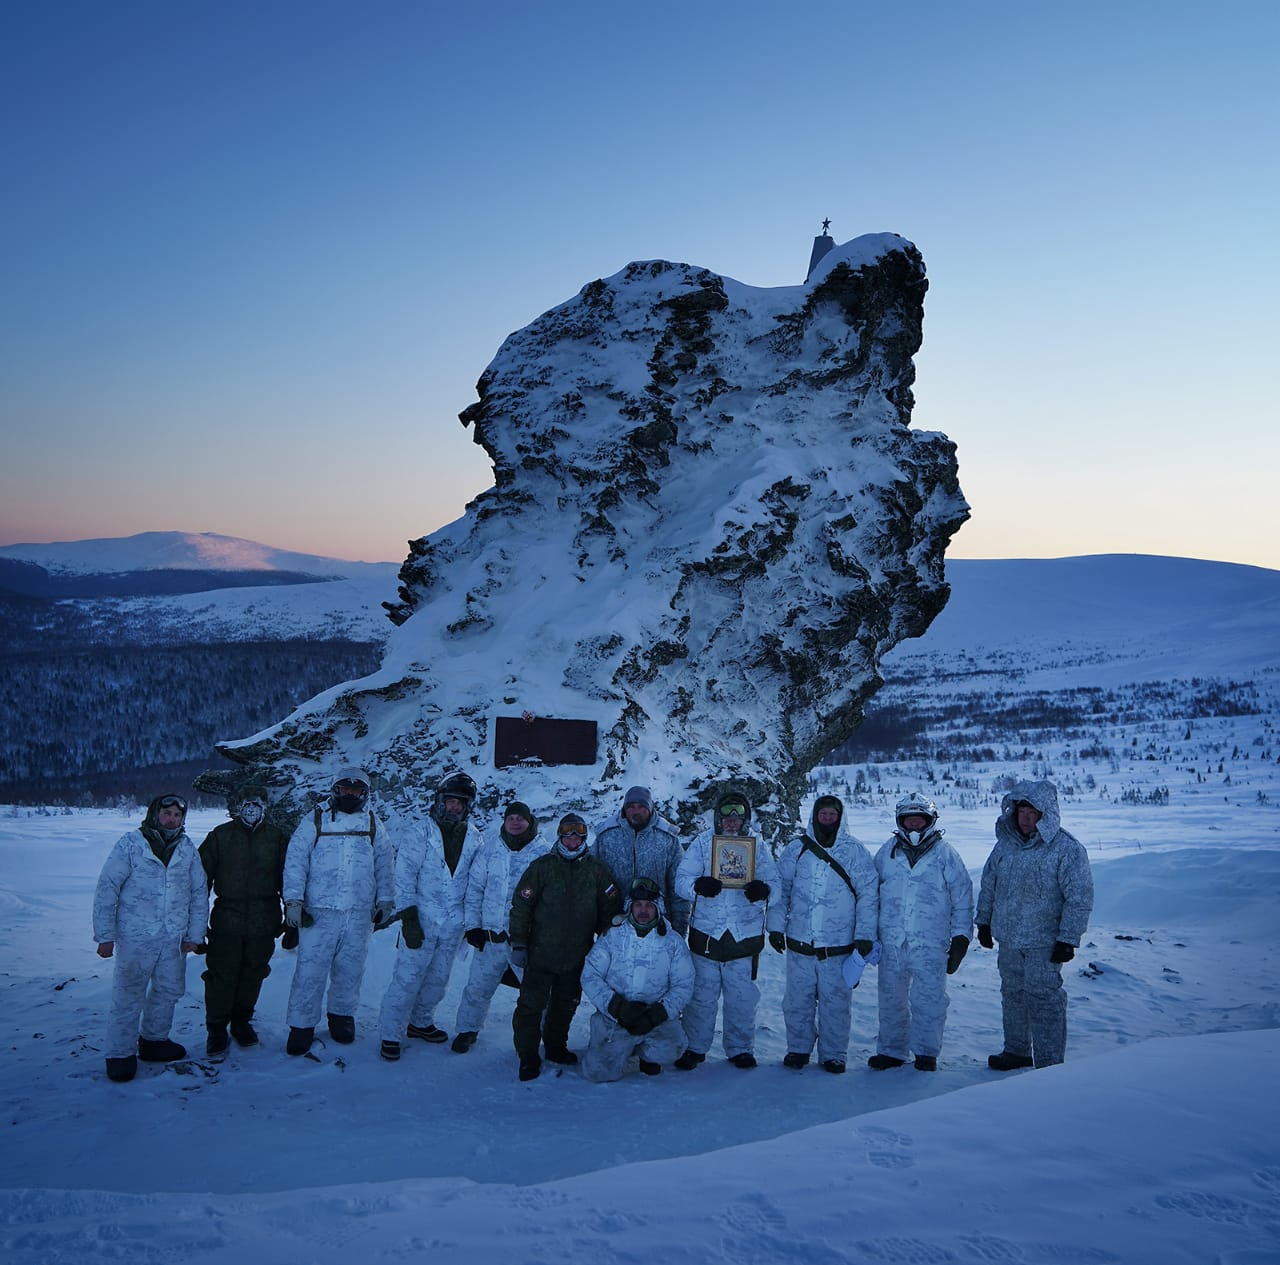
(710,518)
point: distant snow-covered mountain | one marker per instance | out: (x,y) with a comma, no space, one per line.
(176,551)
(173,588)
(1106,618)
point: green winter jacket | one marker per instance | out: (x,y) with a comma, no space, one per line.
(559,907)
(245,870)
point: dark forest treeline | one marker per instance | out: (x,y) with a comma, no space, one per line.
(86,725)
(914,719)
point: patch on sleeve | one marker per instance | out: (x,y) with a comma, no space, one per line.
(613,887)
(526,893)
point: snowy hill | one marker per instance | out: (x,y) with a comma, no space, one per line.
(174,588)
(175,551)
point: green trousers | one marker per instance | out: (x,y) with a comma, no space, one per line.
(557,993)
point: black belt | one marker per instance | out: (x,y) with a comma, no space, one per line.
(815,951)
(702,945)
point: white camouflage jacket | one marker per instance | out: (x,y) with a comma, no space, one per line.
(731,910)
(819,907)
(494,874)
(423,878)
(648,968)
(139,897)
(339,869)
(926,904)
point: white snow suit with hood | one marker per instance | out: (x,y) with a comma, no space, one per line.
(652,965)
(421,976)
(494,874)
(822,920)
(339,875)
(726,933)
(147,909)
(922,907)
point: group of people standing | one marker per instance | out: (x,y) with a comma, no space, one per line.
(664,939)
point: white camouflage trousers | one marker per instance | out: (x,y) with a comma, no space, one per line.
(486,971)
(605,1058)
(1034,1004)
(741,997)
(913,1000)
(817,987)
(149,980)
(418,982)
(331,951)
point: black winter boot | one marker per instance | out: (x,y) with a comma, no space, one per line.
(436,1036)
(795,1060)
(463,1042)
(299,1041)
(882,1062)
(560,1054)
(530,1068)
(650,1069)
(218,1040)
(342,1028)
(926,1063)
(242,1031)
(1006,1062)
(124,1069)
(689,1060)
(163,1051)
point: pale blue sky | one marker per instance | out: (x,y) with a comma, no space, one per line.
(256,255)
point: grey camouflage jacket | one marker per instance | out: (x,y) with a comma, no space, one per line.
(1039,890)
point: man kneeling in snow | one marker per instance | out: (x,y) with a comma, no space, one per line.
(639,977)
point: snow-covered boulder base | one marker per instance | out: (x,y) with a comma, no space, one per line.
(710,519)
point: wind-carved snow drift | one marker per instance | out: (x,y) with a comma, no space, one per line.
(710,518)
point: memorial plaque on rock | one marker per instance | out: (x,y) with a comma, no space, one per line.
(520,740)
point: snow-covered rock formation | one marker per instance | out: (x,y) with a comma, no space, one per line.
(710,519)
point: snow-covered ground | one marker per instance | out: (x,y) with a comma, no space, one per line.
(1155,1142)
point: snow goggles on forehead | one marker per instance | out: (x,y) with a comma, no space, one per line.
(172,801)
(571,829)
(644,889)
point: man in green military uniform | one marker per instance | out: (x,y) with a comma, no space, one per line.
(561,903)
(244,861)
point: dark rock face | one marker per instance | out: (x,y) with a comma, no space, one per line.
(710,518)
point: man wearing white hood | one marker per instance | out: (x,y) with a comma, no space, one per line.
(926,915)
(149,912)
(829,895)
(433,870)
(726,933)
(338,884)
(1035,899)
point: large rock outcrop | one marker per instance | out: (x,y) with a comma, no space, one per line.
(710,518)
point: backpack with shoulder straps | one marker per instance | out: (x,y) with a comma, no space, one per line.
(369,834)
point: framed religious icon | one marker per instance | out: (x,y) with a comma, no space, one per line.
(733,859)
